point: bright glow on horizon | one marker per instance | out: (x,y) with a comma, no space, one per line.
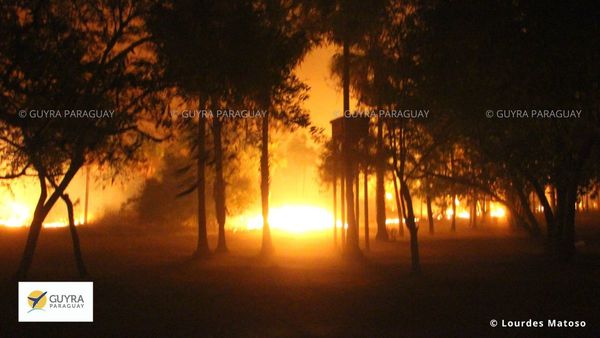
(498,212)
(289,218)
(19,215)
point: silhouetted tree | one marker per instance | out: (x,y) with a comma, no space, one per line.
(509,55)
(355,25)
(275,41)
(81,64)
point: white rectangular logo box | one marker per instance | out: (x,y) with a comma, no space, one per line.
(56,301)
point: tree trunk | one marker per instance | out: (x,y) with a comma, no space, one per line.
(219,188)
(398,206)
(267,243)
(335,213)
(484,210)
(87,195)
(569,224)
(202,248)
(429,214)
(553,198)
(42,209)
(34,231)
(366,203)
(566,196)
(412,229)
(561,204)
(382,234)
(548,210)
(351,247)
(598,196)
(533,228)
(343,209)
(474,209)
(453,224)
(75,238)
(357,198)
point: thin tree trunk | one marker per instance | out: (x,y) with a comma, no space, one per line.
(553,198)
(219,188)
(412,229)
(484,210)
(598,196)
(335,213)
(202,248)
(351,248)
(429,214)
(470,205)
(366,203)
(87,195)
(569,224)
(357,198)
(474,210)
(402,204)
(267,244)
(453,225)
(407,204)
(343,201)
(561,198)
(382,234)
(398,206)
(75,238)
(34,231)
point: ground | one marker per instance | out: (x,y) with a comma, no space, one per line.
(148,286)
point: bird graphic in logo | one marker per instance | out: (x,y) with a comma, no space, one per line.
(37,300)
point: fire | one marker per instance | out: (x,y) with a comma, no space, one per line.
(289,218)
(17,214)
(496,211)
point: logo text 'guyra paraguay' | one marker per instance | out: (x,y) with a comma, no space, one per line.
(56,302)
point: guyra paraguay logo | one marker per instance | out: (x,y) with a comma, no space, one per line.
(37,300)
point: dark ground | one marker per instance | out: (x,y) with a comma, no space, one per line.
(149,287)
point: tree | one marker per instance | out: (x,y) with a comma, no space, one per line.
(234,41)
(356,25)
(496,64)
(275,41)
(186,47)
(80,64)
